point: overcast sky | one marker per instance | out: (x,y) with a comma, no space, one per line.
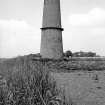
(20,22)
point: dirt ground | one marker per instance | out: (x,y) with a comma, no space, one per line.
(83,87)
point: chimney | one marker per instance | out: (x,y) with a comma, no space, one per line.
(51,36)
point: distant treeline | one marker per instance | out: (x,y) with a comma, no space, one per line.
(80,54)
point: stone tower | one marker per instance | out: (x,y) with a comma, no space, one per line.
(51,36)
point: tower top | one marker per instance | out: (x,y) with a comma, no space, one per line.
(51,14)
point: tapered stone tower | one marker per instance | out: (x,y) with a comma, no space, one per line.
(51,36)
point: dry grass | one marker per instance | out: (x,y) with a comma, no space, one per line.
(26,82)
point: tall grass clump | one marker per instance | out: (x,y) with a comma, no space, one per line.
(30,84)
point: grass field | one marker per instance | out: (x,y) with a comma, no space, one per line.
(83,88)
(81,81)
(27,82)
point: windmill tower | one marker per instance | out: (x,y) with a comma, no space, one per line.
(51,36)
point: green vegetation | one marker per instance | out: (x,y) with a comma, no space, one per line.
(77,63)
(27,82)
